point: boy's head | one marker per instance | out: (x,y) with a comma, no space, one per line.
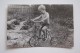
(42,8)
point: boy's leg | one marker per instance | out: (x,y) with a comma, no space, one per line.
(40,31)
(45,29)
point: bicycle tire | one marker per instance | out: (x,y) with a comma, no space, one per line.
(33,42)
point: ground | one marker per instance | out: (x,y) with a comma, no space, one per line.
(60,37)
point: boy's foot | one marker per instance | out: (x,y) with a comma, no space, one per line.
(43,39)
(39,38)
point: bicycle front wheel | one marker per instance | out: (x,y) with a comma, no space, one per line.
(33,42)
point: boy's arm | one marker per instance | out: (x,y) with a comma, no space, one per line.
(37,18)
(46,17)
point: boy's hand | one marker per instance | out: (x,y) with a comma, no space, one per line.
(42,21)
(32,20)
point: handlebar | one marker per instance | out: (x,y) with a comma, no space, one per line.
(37,21)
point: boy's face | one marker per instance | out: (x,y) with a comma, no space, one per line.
(41,11)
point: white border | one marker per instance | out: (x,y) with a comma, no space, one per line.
(3,9)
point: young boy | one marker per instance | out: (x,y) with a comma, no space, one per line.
(44,17)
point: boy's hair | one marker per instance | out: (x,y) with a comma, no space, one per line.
(41,7)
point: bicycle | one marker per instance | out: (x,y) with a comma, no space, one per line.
(35,39)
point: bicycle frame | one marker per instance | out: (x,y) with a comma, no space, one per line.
(36,24)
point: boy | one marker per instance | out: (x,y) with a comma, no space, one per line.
(44,18)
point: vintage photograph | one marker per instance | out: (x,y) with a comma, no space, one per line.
(40,25)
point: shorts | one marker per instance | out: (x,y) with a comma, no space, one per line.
(44,24)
